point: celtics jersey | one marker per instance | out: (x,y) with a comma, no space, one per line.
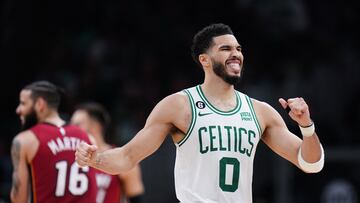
(214,161)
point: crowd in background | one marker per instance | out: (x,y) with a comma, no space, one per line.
(128,55)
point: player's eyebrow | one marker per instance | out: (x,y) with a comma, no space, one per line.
(226,46)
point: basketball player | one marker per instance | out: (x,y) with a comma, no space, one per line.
(43,153)
(216,129)
(94,119)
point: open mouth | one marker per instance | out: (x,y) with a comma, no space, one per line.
(234,65)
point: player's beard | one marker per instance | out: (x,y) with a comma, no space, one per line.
(220,70)
(30,120)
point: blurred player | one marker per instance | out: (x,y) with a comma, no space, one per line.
(94,119)
(216,129)
(43,153)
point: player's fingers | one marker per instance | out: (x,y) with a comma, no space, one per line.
(80,159)
(81,162)
(83,152)
(296,108)
(292,100)
(86,149)
(84,146)
(92,148)
(304,105)
(283,103)
(81,155)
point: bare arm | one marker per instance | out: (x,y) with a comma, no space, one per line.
(280,139)
(20,176)
(145,142)
(132,182)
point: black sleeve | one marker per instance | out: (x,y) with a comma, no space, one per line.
(136,199)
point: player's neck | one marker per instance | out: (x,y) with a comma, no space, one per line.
(53,118)
(217,88)
(219,93)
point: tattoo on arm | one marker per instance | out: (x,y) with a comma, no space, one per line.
(15,155)
(97,160)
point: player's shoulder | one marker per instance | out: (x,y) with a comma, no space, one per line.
(260,105)
(24,135)
(25,139)
(176,99)
(265,112)
(171,107)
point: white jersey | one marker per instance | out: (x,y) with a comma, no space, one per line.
(214,161)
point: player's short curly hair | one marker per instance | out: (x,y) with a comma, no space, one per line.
(203,40)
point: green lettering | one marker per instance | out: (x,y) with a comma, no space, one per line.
(235,142)
(220,140)
(229,136)
(202,150)
(241,150)
(212,138)
(251,134)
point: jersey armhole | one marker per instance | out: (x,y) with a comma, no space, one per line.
(193,118)
(253,113)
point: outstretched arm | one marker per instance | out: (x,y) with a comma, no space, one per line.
(20,176)
(305,153)
(145,142)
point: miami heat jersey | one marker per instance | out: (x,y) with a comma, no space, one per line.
(56,177)
(214,161)
(109,189)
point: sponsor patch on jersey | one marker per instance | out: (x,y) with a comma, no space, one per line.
(200,104)
(246,116)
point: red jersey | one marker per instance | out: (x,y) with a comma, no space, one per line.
(109,189)
(56,177)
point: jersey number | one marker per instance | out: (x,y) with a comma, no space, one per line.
(229,184)
(78,182)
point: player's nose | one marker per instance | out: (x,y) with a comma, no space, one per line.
(18,110)
(237,54)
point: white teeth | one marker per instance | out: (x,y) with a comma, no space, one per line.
(233,65)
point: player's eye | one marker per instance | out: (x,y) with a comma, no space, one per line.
(224,49)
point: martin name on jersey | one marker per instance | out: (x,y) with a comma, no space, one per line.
(63,144)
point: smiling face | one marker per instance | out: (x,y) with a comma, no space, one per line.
(226,58)
(26,110)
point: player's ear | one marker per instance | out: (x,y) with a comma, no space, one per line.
(204,60)
(40,104)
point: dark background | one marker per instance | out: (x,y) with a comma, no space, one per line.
(128,55)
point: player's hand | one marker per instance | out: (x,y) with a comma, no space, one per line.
(85,154)
(298,110)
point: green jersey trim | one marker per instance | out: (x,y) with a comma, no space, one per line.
(214,109)
(254,115)
(193,118)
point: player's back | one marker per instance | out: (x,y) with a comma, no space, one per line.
(55,175)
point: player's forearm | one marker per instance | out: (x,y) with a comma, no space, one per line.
(114,161)
(311,154)
(311,149)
